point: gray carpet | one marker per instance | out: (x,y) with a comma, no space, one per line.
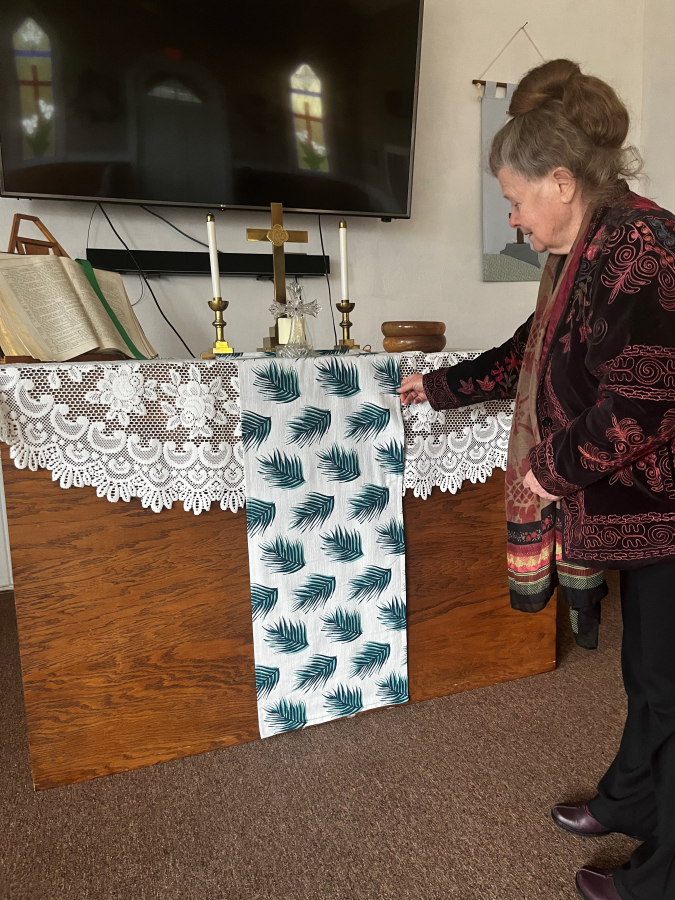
(444,799)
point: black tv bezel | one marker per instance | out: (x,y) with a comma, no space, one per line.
(23,195)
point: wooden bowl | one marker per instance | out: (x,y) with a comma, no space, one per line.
(411,329)
(427,343)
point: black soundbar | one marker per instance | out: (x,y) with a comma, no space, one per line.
(179,262)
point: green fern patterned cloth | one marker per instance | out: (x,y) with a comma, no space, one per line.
(323,462)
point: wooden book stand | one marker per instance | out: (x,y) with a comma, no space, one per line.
(29,246)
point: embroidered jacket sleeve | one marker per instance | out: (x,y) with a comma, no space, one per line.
(629,332)
(491,376)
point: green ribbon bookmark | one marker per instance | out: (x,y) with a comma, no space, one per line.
(91,278)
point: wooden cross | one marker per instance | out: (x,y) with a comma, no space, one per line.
(307,119)
(277,236)
(36,84)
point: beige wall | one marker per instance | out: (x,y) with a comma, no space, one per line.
(658,108)
(428,267)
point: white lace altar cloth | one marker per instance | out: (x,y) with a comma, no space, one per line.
(444,448)
(167,431)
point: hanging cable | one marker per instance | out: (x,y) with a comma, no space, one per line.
(325,272)
(142,281)
(527,35)
(86,254)
(522,28)
(91,219)
(175,227)
(143,276)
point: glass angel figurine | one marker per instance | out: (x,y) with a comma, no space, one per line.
(295,308)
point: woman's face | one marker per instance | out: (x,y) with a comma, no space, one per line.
(544,209)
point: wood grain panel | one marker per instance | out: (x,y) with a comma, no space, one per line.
(135,628)
(462,632)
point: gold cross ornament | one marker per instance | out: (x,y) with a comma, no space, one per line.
(277,236)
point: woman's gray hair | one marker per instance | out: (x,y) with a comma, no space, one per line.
(564,118)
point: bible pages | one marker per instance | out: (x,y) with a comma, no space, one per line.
(50,311)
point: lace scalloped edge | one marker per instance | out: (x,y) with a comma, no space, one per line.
(422,485)
(133,486)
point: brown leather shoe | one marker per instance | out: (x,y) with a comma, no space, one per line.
(575,818)
(596,884)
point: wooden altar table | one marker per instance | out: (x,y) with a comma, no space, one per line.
(135,627)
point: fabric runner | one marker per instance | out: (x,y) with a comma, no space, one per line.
(324,460)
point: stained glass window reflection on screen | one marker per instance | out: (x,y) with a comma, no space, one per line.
(308,122)
(33,60)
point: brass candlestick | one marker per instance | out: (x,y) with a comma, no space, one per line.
(221,345)
(347,343)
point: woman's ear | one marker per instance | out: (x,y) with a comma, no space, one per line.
(565,183)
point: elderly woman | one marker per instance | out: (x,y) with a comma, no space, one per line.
(590,482)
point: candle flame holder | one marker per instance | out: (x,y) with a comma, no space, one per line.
(346,343)
(218,305)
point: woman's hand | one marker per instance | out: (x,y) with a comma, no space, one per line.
(412,390)
(532,484)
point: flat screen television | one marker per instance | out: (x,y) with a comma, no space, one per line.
(215,103)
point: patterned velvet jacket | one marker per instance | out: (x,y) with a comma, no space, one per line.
(606,397)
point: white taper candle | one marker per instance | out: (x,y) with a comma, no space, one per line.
(344,274)
(213,255)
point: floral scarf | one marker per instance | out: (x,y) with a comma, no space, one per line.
(534,550)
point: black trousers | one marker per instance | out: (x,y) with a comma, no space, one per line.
(637,794)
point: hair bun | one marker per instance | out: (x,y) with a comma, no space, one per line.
(546,82)
(563,118)
(587,102)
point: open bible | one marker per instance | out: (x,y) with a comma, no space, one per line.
(54,308)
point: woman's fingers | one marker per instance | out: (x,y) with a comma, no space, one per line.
(413,397)
(411,383)
(412,390)
(409,397)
